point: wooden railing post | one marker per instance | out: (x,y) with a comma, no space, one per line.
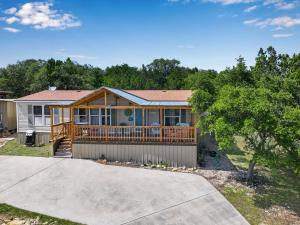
(72,123)
(51,123)
(143,124)
(161,126)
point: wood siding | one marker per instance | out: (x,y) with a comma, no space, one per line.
(172,155)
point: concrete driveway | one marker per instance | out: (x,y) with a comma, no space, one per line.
(90,193)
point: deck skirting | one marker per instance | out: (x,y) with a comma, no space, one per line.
(172,155)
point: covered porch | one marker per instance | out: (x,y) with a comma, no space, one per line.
(123,124)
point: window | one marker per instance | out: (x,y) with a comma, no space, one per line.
(38,115)
(47,115)
(108,111)
(56,117)
(172,117)
(94,116)
(81,116)
(30,116)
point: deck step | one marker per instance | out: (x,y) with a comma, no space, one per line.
(66,154)
(64,149)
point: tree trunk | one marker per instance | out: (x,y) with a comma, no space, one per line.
(251,170)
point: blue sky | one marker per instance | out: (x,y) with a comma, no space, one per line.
(202,33)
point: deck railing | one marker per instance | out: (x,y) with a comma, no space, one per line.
(126,134)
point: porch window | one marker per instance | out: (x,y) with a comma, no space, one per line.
(38,115)
(108,116)
(94,116)
(30,116)
(47,115)
(81,116)
(56,117)
(172,117)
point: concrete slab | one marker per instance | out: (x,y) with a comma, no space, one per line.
(14,169)
(90,193)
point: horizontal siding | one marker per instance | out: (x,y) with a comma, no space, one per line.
(172,155)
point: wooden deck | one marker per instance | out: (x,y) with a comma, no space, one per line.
(125,134)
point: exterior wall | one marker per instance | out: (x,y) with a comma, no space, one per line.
(172,155)
(40,139)
(8,115)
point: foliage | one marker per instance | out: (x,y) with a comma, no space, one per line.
(29,76)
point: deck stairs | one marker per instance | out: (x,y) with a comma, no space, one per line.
(64,149)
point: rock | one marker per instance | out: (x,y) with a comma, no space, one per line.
(16,221)
(175,169)
(102,161)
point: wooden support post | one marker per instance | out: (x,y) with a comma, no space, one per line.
(105,103)
(63,121)
(51,123)
(72,123)
(143,124)
(161,125)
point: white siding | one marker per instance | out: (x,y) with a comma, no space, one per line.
(22,119)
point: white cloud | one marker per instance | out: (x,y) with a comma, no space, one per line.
(280,4)
(12,19)
(41,15)
(249,22)
(285,6)
(230,2)
(278,22)
(251,8)
(78,56)
(12,30)
(180,1)
(10,11)
(282,35)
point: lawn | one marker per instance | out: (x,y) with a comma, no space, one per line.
(14,148)
(12,214)
(274,198)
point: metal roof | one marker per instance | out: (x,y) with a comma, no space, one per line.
(144,102)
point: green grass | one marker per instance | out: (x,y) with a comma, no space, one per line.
(274,187)
(14,148)
(7,211)
(243,201)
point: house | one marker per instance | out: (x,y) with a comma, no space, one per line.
(8,122)
(146,126)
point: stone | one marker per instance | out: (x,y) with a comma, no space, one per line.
(16,221)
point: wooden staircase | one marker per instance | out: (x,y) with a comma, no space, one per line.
(64,149)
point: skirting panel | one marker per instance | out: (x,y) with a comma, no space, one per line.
(172,155)
(41,138)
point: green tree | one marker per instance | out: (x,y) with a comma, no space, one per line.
(257,114)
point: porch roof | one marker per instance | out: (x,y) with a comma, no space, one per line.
(147,97)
